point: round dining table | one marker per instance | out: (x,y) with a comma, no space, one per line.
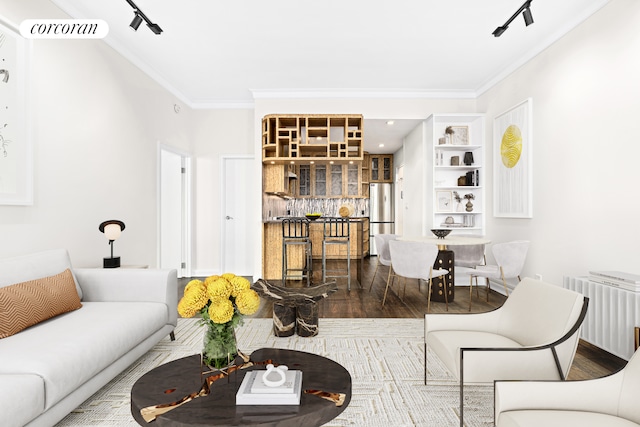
(446,260)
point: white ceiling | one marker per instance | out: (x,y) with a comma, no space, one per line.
(226,53)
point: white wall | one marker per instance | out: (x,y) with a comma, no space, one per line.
(586,132)
(217,133)
(96,121)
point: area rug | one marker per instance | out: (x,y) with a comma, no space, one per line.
(385,358)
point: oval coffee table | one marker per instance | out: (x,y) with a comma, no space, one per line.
(174,380)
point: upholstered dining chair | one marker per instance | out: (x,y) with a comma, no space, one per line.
(466,259)
(532,336)
(510,258)
(414,260)
(610,401)
(384,258)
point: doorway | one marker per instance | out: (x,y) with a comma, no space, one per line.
(174,208)
(238,207)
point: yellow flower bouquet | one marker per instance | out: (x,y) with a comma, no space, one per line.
(220,302)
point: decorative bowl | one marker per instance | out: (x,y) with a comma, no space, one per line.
(440,233)
(313,216)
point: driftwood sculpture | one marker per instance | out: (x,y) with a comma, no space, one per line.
(294,309)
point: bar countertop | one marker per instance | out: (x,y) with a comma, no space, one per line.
(279,219)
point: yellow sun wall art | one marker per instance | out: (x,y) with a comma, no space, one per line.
(511,147)
(512,162)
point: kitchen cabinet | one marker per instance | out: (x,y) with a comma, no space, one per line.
(330,180)
(312,137)
(279,180)
(272,248)
(456,171)
(381,167)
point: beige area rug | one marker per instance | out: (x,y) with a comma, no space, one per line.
(384,356)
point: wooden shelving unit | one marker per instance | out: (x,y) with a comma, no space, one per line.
(313,137)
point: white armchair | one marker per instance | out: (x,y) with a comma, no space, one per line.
(610,401)
(533,336)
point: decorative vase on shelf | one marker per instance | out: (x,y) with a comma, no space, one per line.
(469,206)
(219,346)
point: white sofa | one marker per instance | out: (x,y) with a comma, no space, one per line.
(49,369)
(610,401)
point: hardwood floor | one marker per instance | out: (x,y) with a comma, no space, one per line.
(589,362)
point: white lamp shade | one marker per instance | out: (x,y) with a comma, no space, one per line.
(112,231)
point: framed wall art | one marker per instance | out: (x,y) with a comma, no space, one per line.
(16,171)
(444,201)
(513,162)
(460,135)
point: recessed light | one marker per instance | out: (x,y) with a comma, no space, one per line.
(311,162)
(272,162)
(350,162)
(331,162)
(390,122)
(292,162)
(381,145)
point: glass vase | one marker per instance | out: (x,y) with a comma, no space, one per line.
(219,346)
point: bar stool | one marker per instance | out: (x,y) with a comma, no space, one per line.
(295,231)
(336,232)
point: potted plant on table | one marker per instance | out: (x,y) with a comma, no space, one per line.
(220,302)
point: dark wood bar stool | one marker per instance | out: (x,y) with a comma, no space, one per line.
(336,232)
(295,231)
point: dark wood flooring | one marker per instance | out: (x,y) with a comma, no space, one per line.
(589,362)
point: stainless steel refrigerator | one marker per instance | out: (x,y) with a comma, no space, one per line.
(381,212)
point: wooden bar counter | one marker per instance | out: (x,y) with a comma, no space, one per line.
(272,247)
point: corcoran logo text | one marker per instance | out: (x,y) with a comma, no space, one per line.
(64,28)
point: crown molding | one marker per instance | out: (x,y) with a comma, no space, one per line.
(361,93)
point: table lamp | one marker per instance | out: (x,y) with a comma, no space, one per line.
(112,230)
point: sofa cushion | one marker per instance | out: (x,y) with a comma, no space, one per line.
(21,399)
(69,349)
(555,418)
(33,266)
(28,303)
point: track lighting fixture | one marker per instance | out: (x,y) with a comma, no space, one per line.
(139,17)
(137,20)
(526,14)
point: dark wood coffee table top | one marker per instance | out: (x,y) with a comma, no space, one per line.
(174,380)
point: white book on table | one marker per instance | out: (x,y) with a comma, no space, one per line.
(253,391)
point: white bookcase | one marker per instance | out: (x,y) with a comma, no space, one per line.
(448,174)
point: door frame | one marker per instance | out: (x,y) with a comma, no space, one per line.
(223,207)
(186,188)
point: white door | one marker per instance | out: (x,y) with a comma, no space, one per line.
(173,196)
(237,243)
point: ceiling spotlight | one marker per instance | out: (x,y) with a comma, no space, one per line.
(526,13)
(135,24)
(528,18)
(139,17)
(390,122)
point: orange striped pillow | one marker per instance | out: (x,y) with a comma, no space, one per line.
(28,303)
